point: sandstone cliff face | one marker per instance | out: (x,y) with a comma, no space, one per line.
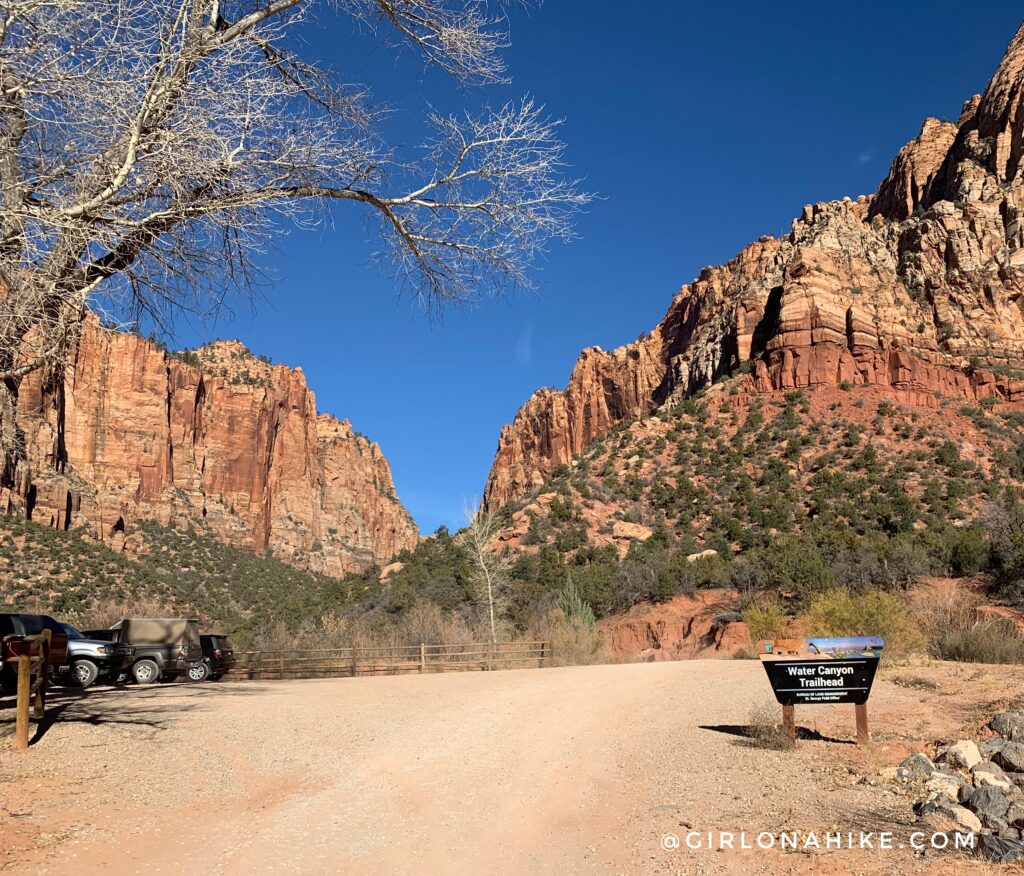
(221,440)
(917,290)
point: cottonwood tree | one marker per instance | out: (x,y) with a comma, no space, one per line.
(149,149)
(490,566)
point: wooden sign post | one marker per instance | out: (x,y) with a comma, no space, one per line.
(820,671)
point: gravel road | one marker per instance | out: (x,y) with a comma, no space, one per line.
(572,770)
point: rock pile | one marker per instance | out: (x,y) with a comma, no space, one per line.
(975,787)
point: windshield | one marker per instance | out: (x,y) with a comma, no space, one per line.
(72,632)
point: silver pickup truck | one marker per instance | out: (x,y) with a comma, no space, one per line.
(92,659)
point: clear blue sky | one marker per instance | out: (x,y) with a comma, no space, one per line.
(702,126)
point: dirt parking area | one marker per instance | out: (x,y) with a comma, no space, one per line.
(573,770)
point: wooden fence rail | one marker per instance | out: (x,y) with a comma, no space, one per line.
(386,660)
(32,656)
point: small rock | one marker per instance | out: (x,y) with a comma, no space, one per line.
(963,754)
(987,801)
(917,767)
(990,747)
(1009,725)
(1015,815)
(1001,851)
(946,784)
(1011,757)
(995,824)
(888,774)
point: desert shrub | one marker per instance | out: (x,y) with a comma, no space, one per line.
(572,644)
(1004,521)
(988,640)
(957,631)
(765,730)
(875,613)
(967,551)
(765,621)
(575,608)
(794,565)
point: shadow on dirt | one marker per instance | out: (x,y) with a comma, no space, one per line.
(150,707)
(744,732)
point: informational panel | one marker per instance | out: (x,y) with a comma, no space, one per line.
(818,671)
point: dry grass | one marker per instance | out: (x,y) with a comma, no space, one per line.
(765,730)
(957,632)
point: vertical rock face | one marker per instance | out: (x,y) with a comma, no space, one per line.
(218,439)
(917,290)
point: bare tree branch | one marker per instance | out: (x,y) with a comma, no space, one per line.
(149,152)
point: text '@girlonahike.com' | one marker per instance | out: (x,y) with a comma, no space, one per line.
(718,840)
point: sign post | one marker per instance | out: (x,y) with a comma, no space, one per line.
(820,671)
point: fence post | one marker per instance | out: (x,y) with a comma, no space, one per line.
(543,653)
(24,694)
(355,660)
(44,675)
(280,663)
(423,657)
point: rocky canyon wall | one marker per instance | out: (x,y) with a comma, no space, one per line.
(918,289)
(216,439)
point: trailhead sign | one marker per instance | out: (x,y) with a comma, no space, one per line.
(820,671)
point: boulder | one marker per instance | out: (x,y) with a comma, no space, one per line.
(990,747)
(1000,850)
(963,754)
(916,768)
(1015,815)
(1011,757)
(1009,725)
(989,774)
(942,814)
(947,784)
(987,802)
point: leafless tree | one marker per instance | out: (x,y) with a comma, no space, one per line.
(148,150)
(491,566)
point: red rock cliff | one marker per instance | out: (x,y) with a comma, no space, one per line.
(919,289)
(219,440)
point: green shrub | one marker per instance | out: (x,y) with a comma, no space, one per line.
(876,613)
(765,621)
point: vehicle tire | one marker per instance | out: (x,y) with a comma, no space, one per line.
(146,672)
(83,673)
(216,676)
(198,672)
(8,680)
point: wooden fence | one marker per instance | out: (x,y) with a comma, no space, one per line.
(32,656)
(382,660)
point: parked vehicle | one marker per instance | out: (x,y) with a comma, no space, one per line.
(29,625)
(218,656)
(92,659)
(165,647)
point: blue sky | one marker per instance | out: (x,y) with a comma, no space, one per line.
(702,126)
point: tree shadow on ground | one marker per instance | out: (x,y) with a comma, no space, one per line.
(745,732)
(148,708)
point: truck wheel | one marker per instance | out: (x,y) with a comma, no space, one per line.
(198,672)
(146,672)
(83,673)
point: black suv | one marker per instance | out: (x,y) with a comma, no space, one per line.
(217,655)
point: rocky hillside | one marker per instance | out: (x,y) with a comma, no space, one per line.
(917,291)
(217,439)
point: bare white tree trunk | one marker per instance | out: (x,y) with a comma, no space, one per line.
(478,538)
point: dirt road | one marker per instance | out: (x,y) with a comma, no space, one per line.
(575,770)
